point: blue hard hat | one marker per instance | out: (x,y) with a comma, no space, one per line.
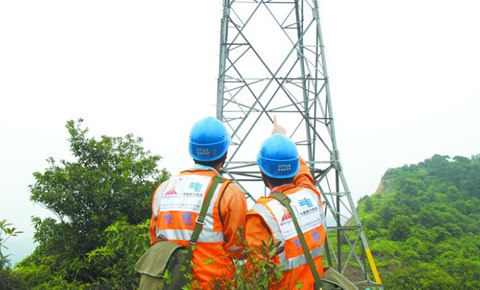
(278,157)
(209,140)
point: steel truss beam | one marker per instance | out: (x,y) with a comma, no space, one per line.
(272,62)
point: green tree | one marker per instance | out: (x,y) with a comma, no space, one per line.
(368,204)
(467,271)
(110,179)
(410,186)
(400,227)
(420,276)
(388,212)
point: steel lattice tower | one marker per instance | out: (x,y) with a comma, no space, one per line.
(272,62)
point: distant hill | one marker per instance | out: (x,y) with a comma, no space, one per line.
(423,224)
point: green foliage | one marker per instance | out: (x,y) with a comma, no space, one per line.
(425,230)
(6,232)
(111,179)
(258,272)
(411,277)
(399,228)
(112,262)
(125,244)
(99,198)
(368,204)
(7,279)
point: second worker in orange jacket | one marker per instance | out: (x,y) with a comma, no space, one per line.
(284,171)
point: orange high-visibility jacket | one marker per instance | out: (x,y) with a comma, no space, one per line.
(175,206)
(269,219)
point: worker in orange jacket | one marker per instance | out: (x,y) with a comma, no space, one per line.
(284,171)
(177,202)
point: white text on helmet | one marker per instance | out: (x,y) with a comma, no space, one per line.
(203,151)
(284,167)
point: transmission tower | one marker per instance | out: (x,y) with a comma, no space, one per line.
(272,62)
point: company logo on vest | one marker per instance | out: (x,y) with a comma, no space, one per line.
(286,215)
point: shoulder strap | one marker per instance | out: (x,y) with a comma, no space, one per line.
(285,201)
(203,212)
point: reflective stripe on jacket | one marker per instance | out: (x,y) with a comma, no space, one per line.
(176,205)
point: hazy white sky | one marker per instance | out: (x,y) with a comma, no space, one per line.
(404,79)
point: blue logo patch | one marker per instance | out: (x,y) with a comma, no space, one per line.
(187,219)
(297,243)
(316,236)
(196,186)
(306,201)
(167,219)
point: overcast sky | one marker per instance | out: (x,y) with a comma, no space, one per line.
(404,79)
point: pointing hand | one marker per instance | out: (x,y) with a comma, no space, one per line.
(277,128)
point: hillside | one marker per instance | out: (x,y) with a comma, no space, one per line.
(423,224)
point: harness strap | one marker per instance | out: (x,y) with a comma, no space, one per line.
(203,212)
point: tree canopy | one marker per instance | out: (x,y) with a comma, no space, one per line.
(424,227)
(105,191)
